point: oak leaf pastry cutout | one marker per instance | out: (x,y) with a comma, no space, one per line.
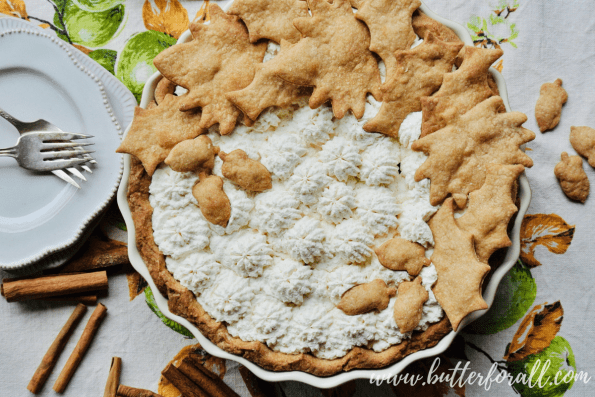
(416,73)
(365,298)
(548,108)
(408,309)
(267,90)
(270,19)
(333,57)
(461,90)
(422,24)
(247,173)
(460,273)
(163,88)
(390,27)
(212,200)
(219,59)
(572,177)
(490,209)
(459,153)
(154,132)
(193,155)
(400,254)
(582,140)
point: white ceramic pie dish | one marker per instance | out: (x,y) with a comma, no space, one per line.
(490,288)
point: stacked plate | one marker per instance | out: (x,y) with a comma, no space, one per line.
(44,220)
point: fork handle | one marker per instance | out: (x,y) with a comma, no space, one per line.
(17,123)
(9,152)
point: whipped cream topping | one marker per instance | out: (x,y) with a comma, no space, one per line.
(277,271)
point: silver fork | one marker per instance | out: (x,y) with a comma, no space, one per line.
(43,125)
(41,151)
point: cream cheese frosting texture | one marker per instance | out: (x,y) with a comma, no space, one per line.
(277,271)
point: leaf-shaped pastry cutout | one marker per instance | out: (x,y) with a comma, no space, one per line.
(408,309)
(422,24)
(268,90)
(193,155)
(400,254)
(572,177)
(170,17)
(536,332)
(550,231)
(390,27)
(461,90)
(212,200)
(247,173)
(582,140)
(548,108)
(154,132)
(270,19)
(219,59)
(163,88)
(415,73)
(490,209)
(333,57)
(458,154)
(364,298)
(460,273)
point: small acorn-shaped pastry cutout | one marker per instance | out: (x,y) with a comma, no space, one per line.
(549,105)
(212,200)
(247,173)
(193,155)
(572,177)
(364,298)
(400,254)
(408,308)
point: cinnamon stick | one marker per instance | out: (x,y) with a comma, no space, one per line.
(213,387)
(81,347)
(51,356)
(113,379)
(86,299)
(47,286)
(125,391)
(182,383)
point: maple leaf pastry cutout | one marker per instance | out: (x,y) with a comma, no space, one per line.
(270,19)
(154,132)
(490,209)
(390,24)
(460,152)
(267,89)
(333,57)
(219,59)
(417,73)
(461,90)
(460,273)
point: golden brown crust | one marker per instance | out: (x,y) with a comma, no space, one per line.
(572,177)
(422,24)
(183,303)
(582,140)
(270,19)
(367,297)
(342,74)
(548,108)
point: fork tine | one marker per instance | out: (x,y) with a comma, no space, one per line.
(64,145)
(64,154)
(63,136)
(64,176)
(86,168)
(61,164)
(76,173)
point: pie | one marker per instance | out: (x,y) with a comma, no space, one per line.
(312,228)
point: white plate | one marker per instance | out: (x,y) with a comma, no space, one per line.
(123,104)
(40,77)
(512,255)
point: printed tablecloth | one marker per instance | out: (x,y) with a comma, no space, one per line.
(544,309)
